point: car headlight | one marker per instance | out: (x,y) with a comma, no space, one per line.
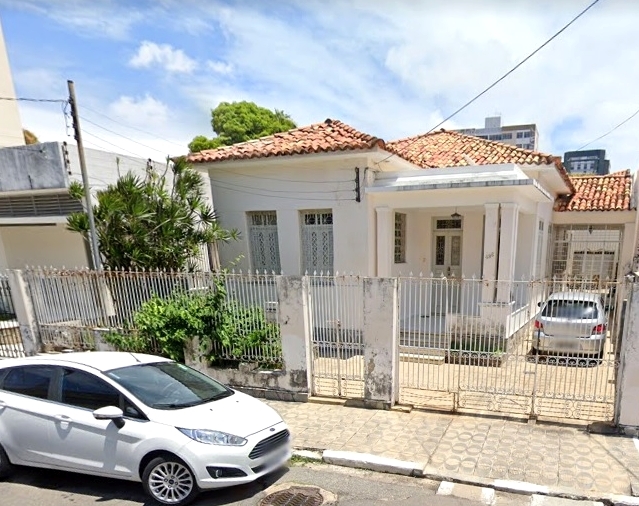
(213,437)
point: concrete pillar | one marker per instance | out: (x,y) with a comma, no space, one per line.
(507,250)
(627,407)
(295,329)
(381,357)
(491,235)
(23,307)
(627,250)
(385,241)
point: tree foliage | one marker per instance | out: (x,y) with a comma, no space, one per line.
(241,121)
(29,137)
(149,223)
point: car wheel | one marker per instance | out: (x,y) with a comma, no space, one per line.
(6,467)
(168,480)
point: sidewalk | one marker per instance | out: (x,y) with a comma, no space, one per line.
(543,454)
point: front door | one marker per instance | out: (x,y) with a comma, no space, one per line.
(447,261)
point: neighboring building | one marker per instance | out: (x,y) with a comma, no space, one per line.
(521,136)
(592,161)
(35,201)
(10,124)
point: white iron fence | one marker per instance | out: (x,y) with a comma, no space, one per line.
(459,348)
(74,308)
(10,337)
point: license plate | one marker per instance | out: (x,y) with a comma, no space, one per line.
(276,458)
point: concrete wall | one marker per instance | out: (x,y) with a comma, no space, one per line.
(34,167)
(627,409)
(289,186)
(51,245)
(10,124)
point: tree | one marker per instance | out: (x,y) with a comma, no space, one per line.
(145,223)
(29,137)
(241,121)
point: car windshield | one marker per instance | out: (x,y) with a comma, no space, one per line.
(570,309)
(169,385)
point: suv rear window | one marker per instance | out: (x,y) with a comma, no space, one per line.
(571,309)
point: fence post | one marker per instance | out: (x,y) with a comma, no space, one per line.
(627,408)
(295,330)
(25,315)
(380,342)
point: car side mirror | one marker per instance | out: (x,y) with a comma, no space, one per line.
(110,413)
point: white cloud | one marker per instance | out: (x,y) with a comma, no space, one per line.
(139,111)
(220,67)
(164,55)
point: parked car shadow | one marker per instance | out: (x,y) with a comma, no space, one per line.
(104,489)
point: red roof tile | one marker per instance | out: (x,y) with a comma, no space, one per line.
(598,193)
(331,135)
(453,149)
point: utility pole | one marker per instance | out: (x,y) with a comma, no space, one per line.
(93,236)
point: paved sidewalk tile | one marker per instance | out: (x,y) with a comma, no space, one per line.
(543,454)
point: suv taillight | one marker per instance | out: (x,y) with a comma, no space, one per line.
(599,329)
(539,325)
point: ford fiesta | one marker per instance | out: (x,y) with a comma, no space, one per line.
(135,417)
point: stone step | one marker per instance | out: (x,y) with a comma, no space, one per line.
(421,359)
(480,495)
(543,500)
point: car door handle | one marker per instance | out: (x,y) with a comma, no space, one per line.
(62,418)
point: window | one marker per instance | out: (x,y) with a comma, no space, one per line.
(452,224)
(264,241)
(527,134)
(496,137)
(520,135)
(400,238)
(571,309)
(317,241)
(84,390)
(33,381)
(506,136)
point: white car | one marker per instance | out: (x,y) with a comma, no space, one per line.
(135,417)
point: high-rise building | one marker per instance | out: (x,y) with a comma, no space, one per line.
(592,161)
(522,136)
(10,124)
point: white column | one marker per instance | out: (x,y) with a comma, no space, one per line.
(627,250)
(385,241)
(507,250)
(627,407)
(380,342)
(491,234)
(23,307)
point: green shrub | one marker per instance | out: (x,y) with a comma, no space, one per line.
(166,325)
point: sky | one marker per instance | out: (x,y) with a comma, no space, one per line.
(148,73)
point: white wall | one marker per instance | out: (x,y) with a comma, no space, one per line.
(289,186)
(526,240)
(42,246)
(10,124)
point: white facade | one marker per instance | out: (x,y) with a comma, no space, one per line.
(10,124)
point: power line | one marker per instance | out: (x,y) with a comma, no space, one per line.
(110,143)
(502,77)
(281,191)
(279,196)
(120,135)
(132,127)
(609,131)
(26,99)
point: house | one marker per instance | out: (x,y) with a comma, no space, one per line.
(328,198)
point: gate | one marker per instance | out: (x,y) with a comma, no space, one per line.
(10,336)
(336,315)
(496,356)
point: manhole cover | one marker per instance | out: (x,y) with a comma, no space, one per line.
(294,496)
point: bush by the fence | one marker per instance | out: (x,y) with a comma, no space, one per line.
(227,330)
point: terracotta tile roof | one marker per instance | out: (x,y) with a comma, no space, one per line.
(331,135)
(598,193)
(452,149)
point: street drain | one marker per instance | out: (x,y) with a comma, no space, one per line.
(294,496)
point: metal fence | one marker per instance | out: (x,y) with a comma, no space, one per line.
(73,309)
(10,337)
(337,319)
(460,349)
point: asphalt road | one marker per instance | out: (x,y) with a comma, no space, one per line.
(34,487)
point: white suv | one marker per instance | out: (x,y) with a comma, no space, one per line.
(135,417)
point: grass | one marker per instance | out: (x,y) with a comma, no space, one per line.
(298,460)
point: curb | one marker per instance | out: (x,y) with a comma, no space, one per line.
(420,470)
